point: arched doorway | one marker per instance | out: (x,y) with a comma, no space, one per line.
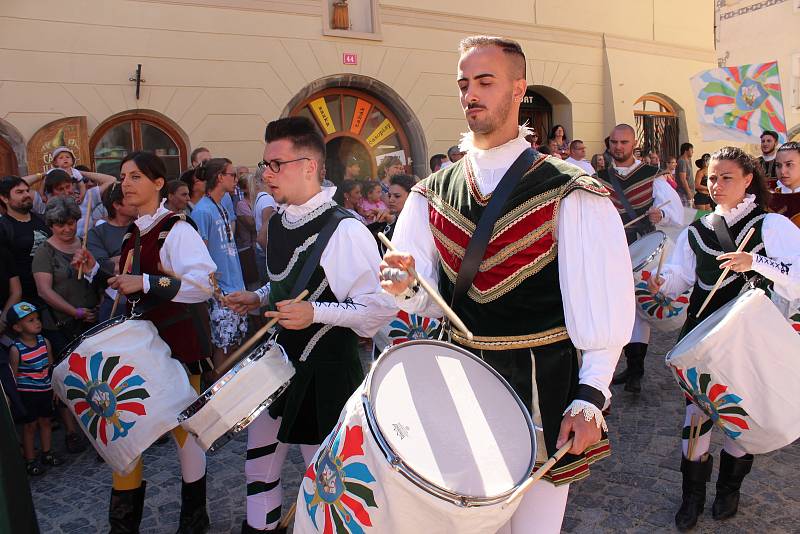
(138,130)
(13,157)
(358,128)
(536,112)
(657,126)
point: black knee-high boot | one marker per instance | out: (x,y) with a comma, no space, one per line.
(194,518)
(632,375)
(247,529)
(693,500)
(125,510)
(732,471)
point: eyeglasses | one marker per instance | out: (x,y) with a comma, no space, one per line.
(229,174)
(275,164)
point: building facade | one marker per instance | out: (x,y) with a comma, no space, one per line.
(377,76)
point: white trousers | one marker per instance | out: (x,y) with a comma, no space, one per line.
(540,512)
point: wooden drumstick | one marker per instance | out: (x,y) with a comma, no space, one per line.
(640,217)
(288,517)
(660,263)
(432,292)
(233,358)
(87,218)
(539,473)
(725,273)
(189,281)
(125,270)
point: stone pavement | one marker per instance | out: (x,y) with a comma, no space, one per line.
(637,489)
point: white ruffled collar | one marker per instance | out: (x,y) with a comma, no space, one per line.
(144,222)
(736,214)
(496,157)
(787,190)
(293,214)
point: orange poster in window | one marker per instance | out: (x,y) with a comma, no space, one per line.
(320,109)
(360,116)
(381,132)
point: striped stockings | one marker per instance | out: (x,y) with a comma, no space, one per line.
(262,468)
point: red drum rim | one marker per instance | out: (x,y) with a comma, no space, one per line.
(419,480)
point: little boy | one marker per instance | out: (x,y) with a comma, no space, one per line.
(31,360)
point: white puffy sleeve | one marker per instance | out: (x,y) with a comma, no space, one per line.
(678,271)
(350,261)
(596,282)
(185,255)
(782,261)
(412,234)
(673,212)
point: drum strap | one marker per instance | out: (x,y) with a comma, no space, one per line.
(476,247)
(615,183)
(723,233)
(314,257)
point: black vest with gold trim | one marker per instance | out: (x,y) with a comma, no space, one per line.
(515,299)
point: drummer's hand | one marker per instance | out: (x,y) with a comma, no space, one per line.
(397,260)
(83,257)
(242,301)
(127,283)
(584,432)
(655,215)
(738,261)
(654,285)
(293,315)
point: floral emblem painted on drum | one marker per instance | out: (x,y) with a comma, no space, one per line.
(408,327)
(659,305)
(794,321)
(714,399)
(103,392)
(339,485)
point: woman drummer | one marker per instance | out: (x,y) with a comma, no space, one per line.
(738,187)
(169,285)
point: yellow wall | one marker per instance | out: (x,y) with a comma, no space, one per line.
(220,73)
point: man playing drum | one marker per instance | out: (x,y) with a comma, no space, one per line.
(170,285)
(535,302)
(637,189)
(321,334)
(738,187)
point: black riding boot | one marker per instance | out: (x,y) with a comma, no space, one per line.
(247,529)
(194,518)
(125,510)
(732,471)
(632,375)
(693,500)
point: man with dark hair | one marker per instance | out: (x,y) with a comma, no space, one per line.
(769,149)
(637,189)
(22,230)
(436,161)
(320,334)
(454,154)
(527,308)
(683,173)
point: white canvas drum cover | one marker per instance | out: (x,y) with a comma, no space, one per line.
(451,420)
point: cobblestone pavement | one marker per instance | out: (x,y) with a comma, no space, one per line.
(637,489)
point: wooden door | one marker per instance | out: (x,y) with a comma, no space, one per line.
(8,160)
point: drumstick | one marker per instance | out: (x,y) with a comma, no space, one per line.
(87,218)
(189,281)
(125,270)
(233,358)
(725,273)
(288,518)
(640,217)
(690,445)
(431,291)
(539,473)
(660,264)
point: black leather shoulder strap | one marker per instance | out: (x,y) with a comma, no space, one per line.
(723,233)
(615,183)
(483,232)
(312,261)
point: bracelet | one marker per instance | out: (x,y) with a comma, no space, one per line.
(80,313)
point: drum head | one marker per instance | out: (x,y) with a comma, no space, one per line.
(451,419)
(645,249)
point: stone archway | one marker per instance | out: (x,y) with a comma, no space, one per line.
(407,121)
(13,138)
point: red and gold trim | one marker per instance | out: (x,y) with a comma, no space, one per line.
(472,184)
(511,342)
(639,193)
(579,469)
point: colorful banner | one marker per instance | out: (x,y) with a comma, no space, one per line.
(320,109)
(739,103)
(381,132)
(360,116)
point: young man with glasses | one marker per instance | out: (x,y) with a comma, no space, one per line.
(320,334)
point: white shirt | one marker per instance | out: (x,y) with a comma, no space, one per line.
(350,261)
(778,259)
(263,200)
(787,190)
(596,282)
(583,164)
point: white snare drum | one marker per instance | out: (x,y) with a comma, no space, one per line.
(123,386)
(740,366)
(433,441)
(236,399)
(661,312)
